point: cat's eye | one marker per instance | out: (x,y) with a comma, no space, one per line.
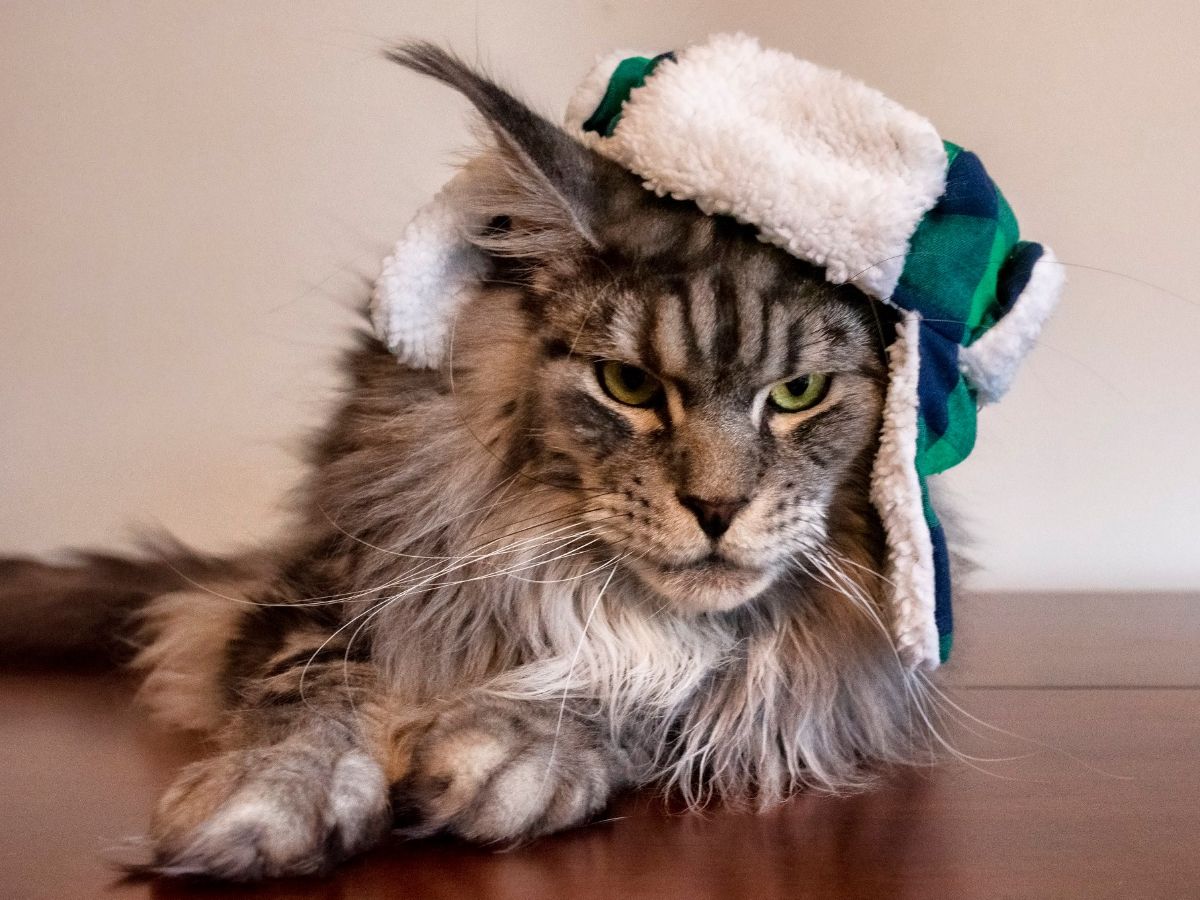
(799,394)
(628,384)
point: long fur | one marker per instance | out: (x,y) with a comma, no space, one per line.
(495,601)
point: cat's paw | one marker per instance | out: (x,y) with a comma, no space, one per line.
(501,773)
(266,812)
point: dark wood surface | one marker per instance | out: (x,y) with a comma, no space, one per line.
(1104,801)
(1079,639)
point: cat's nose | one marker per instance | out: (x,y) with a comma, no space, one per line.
(714,515)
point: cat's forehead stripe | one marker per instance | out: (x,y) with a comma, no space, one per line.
(752,314)
(688,336)
(777,350)
(703,316)
(714,321)
(668,336)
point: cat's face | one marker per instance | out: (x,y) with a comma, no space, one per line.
(703,394)
(711,412)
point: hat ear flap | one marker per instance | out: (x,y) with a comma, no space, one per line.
(431,272)
(1028,288)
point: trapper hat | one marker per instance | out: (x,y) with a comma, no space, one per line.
(838,175)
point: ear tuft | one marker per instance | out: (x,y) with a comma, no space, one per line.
(547,182)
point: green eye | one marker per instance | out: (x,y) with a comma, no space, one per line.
(799,394)
(627,384)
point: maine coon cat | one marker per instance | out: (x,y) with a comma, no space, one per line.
(623,538)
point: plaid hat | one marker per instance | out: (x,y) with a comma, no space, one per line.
(838,175)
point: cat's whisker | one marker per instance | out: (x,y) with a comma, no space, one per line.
(866,569)
(379,608)
(839,582)
(531,563)
(439,526)
(375,608)
(501,488)
(843,584)
(575,513)
(538,540)
(341,598)
(372,612)
(578,577)
(559,544)
(1058,751)
(562,706)
(328,599)
(476,554)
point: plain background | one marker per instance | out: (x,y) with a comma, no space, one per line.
(193,197)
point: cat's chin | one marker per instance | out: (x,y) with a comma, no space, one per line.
(704,588)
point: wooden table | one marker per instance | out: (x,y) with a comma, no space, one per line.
(1108,807)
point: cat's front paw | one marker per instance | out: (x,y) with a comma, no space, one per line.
(501,773)
(266,812)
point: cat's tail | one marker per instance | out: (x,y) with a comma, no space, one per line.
(86,607)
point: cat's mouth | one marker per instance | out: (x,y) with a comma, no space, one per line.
(713,562)
(710,583)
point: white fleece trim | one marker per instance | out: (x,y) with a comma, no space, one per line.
(432,271)
(827,168)
(896,493)
(990,364)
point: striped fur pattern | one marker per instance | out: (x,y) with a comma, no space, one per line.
(499,604)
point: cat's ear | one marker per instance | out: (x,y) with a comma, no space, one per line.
(547,189)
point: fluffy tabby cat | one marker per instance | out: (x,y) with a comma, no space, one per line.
(623,538)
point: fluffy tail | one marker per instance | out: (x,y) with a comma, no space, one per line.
(86,609)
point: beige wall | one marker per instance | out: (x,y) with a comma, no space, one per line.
(190,194)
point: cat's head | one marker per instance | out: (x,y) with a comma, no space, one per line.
(707,398)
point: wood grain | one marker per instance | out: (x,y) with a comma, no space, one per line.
(1112,811)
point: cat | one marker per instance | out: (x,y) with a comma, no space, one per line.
(622,538)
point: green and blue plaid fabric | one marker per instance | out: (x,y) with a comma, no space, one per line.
(964,270)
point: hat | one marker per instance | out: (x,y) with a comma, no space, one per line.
(835,174)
